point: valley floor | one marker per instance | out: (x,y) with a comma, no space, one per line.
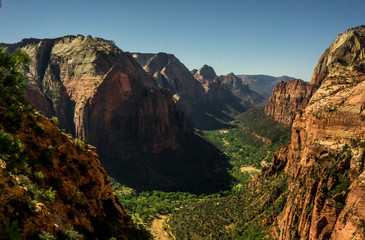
(249,144)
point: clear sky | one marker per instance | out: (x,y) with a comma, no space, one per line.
(276,37)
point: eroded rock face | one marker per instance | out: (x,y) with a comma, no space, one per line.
(205,74)
(263,84)
(201,97)
(171,74)
(102,93)
(325,159)
(70,75)
(346,52)
(287,99)
(83,196)
(241,89)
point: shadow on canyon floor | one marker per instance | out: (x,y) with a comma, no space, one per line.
(198,168)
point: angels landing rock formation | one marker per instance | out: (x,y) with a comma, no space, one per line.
(325,159)
(287,99)
(100,92)
(203,99)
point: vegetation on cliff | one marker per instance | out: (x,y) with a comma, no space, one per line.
(52,186)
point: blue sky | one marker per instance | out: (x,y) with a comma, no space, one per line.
(274,37)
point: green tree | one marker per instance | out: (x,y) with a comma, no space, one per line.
(12,80)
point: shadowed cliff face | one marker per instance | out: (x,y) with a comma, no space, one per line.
(241,89)
(203,98)
(171,74)
(325,159)
(205,74)
(99,92)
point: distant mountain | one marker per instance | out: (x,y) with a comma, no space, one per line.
(263,84)
(205,74)
(206,102)
(242,90)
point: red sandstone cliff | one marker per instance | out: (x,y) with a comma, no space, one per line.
(201,96)
(287,99)
(325,159)
(100,92)
(56,164)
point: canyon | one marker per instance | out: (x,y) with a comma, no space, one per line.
(139,111)
(101,93)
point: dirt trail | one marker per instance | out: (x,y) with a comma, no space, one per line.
(157,228)
(249,169)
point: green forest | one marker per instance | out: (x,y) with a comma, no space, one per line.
(249,142)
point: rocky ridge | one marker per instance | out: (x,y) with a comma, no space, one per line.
(287,99)
(325,159)
(203,98)
(99,92)
(263,84)
(241,89)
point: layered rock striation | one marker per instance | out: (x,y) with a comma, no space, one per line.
(99,92)
(325,159)
(263,84)
(287,99)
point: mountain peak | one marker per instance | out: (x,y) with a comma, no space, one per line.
(205,74)
(346,53)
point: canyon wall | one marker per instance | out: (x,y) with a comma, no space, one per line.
(325,159)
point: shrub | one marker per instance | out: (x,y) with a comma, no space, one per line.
(11,150)
(10,230)
(70,233)
(54,120)
(79,145)
(38,127)
(46,236)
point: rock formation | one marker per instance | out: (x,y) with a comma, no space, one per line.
(325,159)
(100,92)
(287,99)
(171,74)
(263,84)
(203,98)
(51,184)
(205,74)
(241,89)
(83,195)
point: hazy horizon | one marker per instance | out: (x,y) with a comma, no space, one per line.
(282,38)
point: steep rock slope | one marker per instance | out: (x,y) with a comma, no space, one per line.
(325,160)
(205,74)
(100,92)
(171,74)
(263,84)
(50,182)
(241,89)
(287,99)
(205,101)
(83,197)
